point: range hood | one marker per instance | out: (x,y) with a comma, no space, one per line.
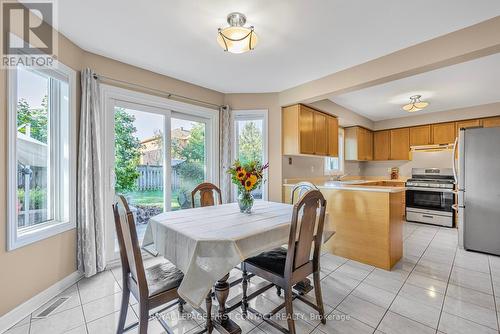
(431,148)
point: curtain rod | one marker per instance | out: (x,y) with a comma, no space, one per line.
(167,94)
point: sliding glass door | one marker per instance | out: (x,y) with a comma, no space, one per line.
(154,158)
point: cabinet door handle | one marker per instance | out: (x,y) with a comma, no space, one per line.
(427,216)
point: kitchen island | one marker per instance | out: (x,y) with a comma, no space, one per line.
(367,217)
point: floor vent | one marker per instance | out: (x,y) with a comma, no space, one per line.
(51,308)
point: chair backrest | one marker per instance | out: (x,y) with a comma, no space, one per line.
(300,189)
(306,229)
(130,252)
(207,197)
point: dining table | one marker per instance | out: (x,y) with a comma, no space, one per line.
(206,243)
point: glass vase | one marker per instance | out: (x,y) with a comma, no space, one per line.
(245,201)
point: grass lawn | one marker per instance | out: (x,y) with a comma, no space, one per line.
(151,198)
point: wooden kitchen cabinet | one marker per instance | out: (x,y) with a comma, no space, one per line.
(443,133)
(320,134)
(333,136)
(307,131)
(358,143)
(382,145)
(491,122)
(420,135)
(400,144)
(471,123)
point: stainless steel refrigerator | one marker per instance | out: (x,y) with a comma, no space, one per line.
(478,183)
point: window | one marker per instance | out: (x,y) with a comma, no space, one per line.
(41,149)
(250,138)
(335,166)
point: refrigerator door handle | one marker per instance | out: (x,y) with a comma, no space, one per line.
(454,160)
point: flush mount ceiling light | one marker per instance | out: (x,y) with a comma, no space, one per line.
(236,38)
(415,104)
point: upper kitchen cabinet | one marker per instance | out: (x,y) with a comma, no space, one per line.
(382,145)
(307,131)
(443,133)
(420,135)
(333,136)
(491,122)
(471,123)
(358,143)
(400,144)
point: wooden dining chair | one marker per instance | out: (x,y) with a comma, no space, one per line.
(153,286)
(286,267)
(207,192)
(300,189)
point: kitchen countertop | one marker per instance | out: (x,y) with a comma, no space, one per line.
(357,185)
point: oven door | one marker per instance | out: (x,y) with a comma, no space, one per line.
(430,199)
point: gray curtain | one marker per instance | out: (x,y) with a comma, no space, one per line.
(90,221)
(226,148)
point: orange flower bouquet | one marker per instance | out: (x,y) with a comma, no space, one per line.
(247,177)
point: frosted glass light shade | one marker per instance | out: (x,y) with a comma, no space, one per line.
(237,39)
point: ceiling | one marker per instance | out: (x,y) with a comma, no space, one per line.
(467,84)
(299,41)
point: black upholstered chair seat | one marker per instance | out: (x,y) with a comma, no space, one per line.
(163,277)
(273,261)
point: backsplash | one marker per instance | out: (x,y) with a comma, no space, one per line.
(313,167)
(438,159)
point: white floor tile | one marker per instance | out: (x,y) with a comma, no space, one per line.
(353,271)
(59,322)
(434,270)
(381,281)
(99,308)
(478,314)
(78,330)
(426,282)
(417,311)
(471,279)
(362,310)
(471,296)
(101,285)
(451,324)
(394,323)
(425,296)
(339,323)
(374,295)
(108,324)
(333,292)
(330,262)
(21,329)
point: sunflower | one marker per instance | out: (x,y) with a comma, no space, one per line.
(250,182)
(241,174)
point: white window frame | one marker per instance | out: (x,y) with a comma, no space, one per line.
(248,115)
(112,96)
(15,239)
(340,170)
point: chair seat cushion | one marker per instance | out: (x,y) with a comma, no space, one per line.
(273,261)
(163,277)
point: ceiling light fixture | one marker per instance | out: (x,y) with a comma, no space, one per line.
(236,38)
(415,104)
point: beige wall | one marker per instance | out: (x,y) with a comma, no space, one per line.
(484,110)
(270,102)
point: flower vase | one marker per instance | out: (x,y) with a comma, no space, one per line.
(245,201)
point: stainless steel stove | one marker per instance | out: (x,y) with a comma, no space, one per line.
(430,196)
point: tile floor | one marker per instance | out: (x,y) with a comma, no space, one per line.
(436,288)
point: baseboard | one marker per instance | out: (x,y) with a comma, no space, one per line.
(20,312)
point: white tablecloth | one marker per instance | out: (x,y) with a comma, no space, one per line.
(206,243)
